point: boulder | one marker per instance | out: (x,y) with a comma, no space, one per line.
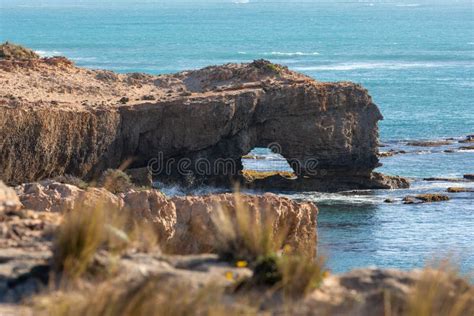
(425,198)
(8,199)
(468,139)
(195,230)
(469,176)
(52,196)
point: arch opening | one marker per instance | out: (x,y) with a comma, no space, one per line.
(261,163)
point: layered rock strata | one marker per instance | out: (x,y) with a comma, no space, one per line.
(184,224)
(192,127)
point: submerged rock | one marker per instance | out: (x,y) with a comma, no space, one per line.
(430,143)
(469,176)
(425,198)
(468,139)
(444,179)
(459,190)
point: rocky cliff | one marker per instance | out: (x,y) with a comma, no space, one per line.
(190,127)
(184,224)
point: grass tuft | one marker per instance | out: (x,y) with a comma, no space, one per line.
(13,51)
(246,235)
(155,295)
(72,180)
(78,239)
(300,274)
(441,292)
(87,229)
(115,181)
(250,236)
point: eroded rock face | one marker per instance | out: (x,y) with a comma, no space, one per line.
(52,196)
(184,224)
(208,118)
(195,231)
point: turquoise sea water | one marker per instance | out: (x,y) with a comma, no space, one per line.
(415,57)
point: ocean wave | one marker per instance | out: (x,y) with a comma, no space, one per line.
(291,54)
(177,190)
(337,198)
(408,5)
(83,58)
(48,53)
(381,65)
(241,1)
(287,54)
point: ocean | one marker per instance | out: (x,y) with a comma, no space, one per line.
(416,58)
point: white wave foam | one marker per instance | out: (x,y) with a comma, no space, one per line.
(47,53)
(408,5)
(241,1)
(242,53)
(84,58)
(292,54)
(380,65)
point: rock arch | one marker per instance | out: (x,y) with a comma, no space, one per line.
(216,114)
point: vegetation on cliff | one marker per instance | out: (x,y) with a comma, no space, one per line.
(17,52)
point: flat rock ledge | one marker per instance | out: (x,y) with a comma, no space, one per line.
(190,128)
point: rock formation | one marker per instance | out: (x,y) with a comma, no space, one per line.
(184,224)
(8,199)
(191,127)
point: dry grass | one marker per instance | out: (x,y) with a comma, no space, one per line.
(78,239)
(87,229)
(300,274)
(242,237)
(252,175)
(12,51)
(442,292)
(154,295)
(115,181)
(243,234)
(72,180)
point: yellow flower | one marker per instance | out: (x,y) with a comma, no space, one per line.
(229,276)
(326,274)
(241,264)
(287,249)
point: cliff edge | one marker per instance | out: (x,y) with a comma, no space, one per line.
(189,127)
